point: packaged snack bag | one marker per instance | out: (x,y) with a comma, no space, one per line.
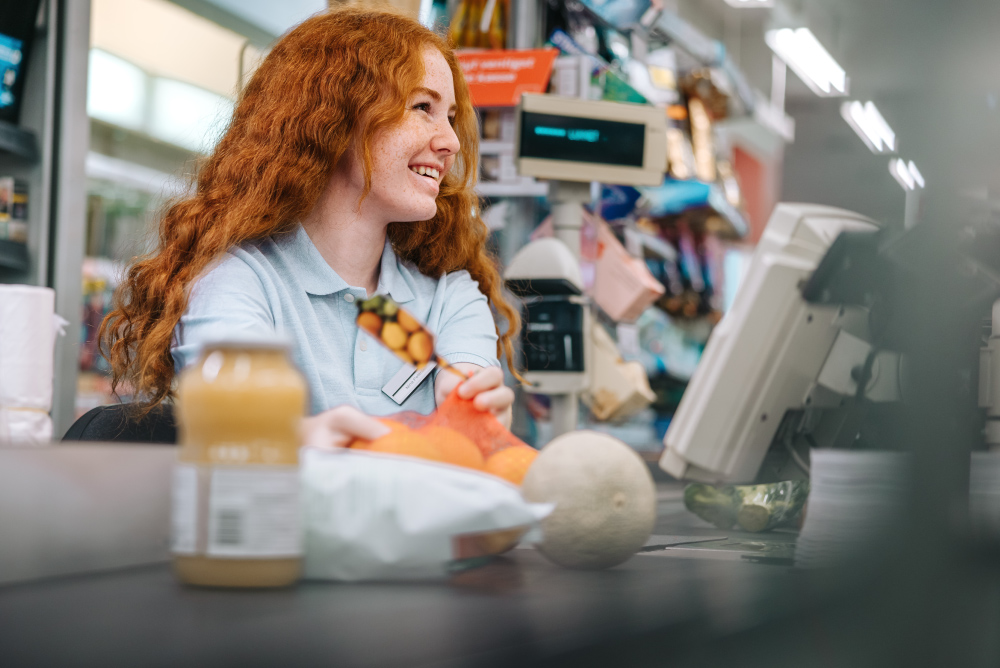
(375,516)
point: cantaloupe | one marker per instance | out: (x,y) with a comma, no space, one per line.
(604,495)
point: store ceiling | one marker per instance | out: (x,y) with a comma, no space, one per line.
(929,65)
(270,16)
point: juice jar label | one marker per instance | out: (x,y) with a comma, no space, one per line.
(237,512)
(184,515)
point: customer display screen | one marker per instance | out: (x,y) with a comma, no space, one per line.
(573,139)
(11,56)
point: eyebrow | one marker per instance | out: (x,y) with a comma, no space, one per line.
(434,95)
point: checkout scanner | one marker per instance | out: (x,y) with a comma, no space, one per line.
(572,142)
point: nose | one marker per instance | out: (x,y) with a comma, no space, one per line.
(445,141)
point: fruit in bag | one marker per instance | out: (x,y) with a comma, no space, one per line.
(459,434)
(455,448)
(511,463)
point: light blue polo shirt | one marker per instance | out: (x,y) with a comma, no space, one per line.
(283,285)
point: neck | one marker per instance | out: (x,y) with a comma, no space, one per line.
(349,240)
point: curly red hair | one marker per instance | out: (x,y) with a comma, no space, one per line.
(328,86)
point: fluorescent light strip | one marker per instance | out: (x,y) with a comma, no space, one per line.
(802,52)
(866,120)
(750,4)
(906,174)
(902,175)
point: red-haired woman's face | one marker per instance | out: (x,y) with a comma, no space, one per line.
(409,160)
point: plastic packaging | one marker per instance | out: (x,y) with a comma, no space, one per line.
(374,516)
(754,508)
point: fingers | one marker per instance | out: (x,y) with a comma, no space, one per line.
(496,401)
(444,384)
(352,422)
(485,379)
(339,426)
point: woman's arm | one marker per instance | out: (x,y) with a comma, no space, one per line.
(485,388)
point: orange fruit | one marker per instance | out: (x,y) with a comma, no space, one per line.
(407,321)
(511,463)
(420,347)
(408,443)
(394,336)
(370,322)
(455,447)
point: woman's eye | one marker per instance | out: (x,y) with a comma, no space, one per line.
(451,121)
(422,106)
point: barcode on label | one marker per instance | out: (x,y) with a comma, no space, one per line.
(253,512)
(229,527)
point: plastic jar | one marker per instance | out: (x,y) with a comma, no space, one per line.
(236,484)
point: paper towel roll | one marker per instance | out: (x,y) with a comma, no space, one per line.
(27,346)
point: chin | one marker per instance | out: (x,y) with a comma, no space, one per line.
(422,212)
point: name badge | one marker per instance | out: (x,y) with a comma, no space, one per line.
(406,380)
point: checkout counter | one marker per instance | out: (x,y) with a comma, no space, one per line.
(94,589)
(88,583)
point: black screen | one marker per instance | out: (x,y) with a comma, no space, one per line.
(575,139)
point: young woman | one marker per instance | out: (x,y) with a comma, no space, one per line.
(347,170)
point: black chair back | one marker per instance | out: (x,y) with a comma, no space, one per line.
(122,422)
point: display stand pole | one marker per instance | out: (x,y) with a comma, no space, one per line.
(567,199)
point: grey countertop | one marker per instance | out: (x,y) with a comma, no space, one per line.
(518,610)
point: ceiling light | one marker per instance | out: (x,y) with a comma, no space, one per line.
(116,91)
(870,126)
(906,174)
(187,115)
(802,52)
(743,4)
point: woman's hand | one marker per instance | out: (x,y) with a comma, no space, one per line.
(485,388)
(338,427)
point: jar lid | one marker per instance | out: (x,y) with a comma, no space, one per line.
(250,341)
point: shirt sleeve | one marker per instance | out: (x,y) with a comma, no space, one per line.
(228,301)
(466,331)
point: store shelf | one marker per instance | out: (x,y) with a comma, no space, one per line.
(15,141)
(13,255)
(526,188)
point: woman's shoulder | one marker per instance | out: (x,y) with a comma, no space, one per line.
(449,283)
(241,268)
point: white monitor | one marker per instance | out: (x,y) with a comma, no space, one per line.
(569,139)
(766,354)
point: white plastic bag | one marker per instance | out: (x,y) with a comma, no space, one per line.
(374,516)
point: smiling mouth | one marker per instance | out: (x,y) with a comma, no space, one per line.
(429,172)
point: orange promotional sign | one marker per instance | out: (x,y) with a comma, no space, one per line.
(497,78)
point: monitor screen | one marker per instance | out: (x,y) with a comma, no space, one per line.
(11,57)
(597,141)
(18,19)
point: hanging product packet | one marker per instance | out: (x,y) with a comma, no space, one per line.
(438,494)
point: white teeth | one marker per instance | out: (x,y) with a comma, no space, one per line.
(426,171)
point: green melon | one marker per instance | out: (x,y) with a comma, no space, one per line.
(604,495)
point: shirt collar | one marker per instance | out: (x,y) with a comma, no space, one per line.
(318,278)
